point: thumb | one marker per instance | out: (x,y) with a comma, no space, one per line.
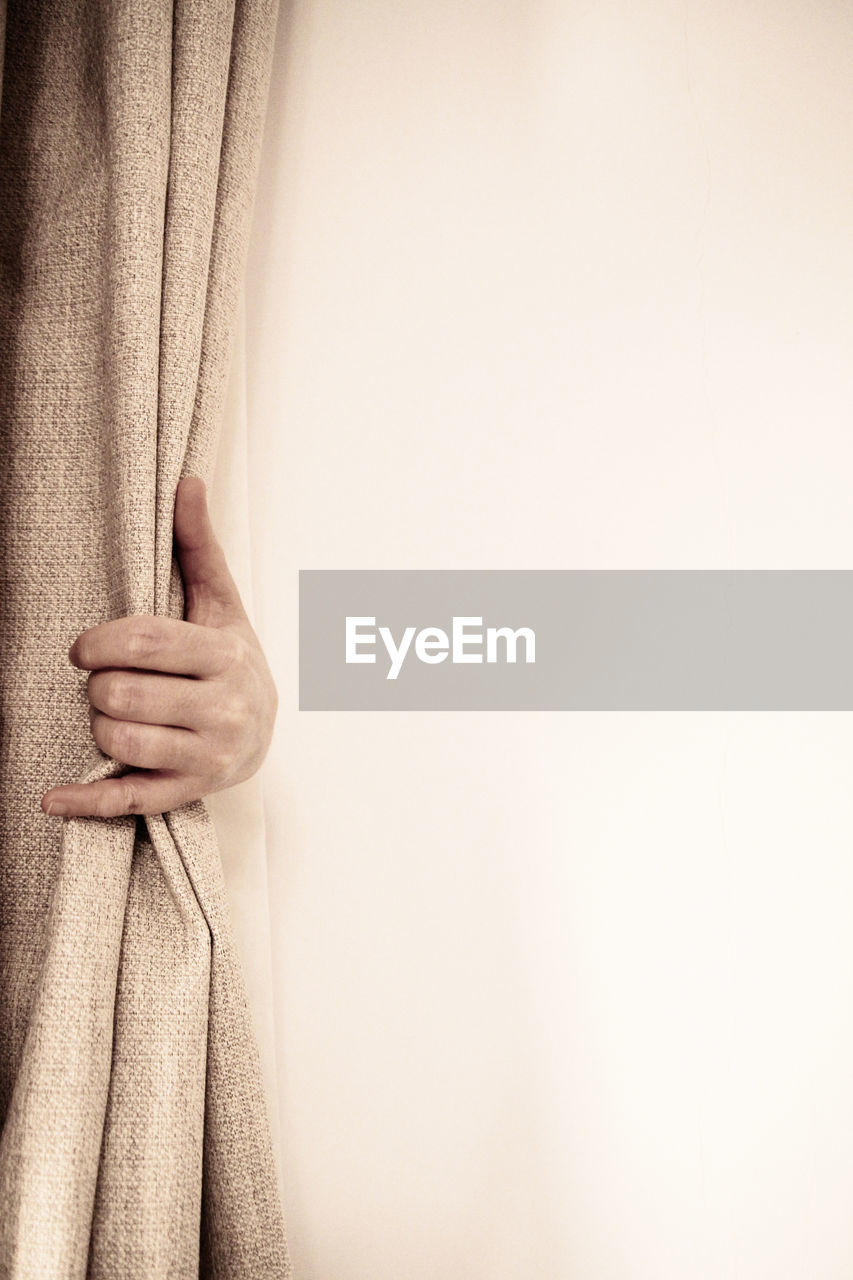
(212,598)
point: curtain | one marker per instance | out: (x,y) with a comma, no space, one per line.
(238,813)
(135,1141)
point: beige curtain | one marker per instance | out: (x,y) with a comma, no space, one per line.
(135,1141)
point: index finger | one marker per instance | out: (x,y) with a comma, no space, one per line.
(151,643)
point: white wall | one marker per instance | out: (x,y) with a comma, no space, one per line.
(557,285)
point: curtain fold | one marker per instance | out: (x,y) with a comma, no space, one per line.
(134,1136)
(238,813)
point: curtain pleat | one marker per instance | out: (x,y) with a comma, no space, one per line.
(238,813)
(135,1140)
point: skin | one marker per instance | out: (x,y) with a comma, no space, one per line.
(188,706)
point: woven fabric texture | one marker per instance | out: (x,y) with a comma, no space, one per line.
(135,1140)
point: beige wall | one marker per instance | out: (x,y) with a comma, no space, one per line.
(554,285)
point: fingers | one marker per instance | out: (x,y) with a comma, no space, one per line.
(148,746)
(144,793)
(212,597)
(180,765)
(150,699)
(189,704)
(151,643)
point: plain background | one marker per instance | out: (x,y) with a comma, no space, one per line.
(555,285)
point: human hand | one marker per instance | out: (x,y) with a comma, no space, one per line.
(190,705)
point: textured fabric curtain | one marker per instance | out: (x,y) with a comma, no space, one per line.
(135,1141)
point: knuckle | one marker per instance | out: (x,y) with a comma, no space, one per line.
(220,765)
(120,694)
(236,653)
(181,756)
(235,711)
(143,637)
(130,798)
(121,738)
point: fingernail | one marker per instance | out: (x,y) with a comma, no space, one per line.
(56,808)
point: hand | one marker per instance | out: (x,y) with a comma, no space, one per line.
(189,706)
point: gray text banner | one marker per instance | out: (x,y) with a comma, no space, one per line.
(575,640)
